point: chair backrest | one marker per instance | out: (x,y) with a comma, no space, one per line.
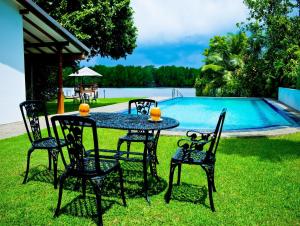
(74,130)
(96,95)
(86,97)
(217,133)
(31,110)
(142,106)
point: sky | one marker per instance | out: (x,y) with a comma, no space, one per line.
(175,32)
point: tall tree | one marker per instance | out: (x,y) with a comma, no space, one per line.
(222,71)
(105,26)
(267,59)
(274,53)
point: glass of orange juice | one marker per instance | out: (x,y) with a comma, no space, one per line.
(84,109)
(155,114)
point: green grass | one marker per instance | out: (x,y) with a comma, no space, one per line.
(71,106)
(257,181)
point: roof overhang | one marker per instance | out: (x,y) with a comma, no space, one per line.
(44,35)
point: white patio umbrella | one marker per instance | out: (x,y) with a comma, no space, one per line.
(85,72)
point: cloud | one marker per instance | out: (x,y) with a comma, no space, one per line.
(175,32)
(170,21)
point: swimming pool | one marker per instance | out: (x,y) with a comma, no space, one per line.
(242,113)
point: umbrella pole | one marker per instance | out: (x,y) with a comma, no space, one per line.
(60,94)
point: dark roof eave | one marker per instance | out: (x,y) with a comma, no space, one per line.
(41,14)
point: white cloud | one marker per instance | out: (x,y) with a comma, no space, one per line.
(168,21)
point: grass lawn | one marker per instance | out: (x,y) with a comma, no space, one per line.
(257,181)
(71,106)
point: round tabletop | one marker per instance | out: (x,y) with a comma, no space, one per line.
(131,121)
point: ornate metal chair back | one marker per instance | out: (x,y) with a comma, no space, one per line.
(217,133)
(142,106)
(74,129)
(31,110)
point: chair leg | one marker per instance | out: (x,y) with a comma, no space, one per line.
(49,159)
(128,148)
(156,159)
(61,186)
(55,170)
(122,185)
(83,187)
(209,176)
(210,191)
(119,145)
(28,163)
(213,180)
(98,203)
(171,176)
(179,174)
(63,159)
(145,166)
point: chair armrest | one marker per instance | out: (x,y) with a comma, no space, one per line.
(197,136)
(190,144)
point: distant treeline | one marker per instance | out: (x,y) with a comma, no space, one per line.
(132,76)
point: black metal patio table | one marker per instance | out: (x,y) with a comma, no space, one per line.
(136,122)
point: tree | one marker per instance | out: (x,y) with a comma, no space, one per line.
(260,63)
(223,66)
(105,26)
(137,76)
(273,58)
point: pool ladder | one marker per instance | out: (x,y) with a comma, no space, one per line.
(176,93)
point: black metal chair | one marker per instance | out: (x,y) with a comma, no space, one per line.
(190,151)
(149,139)
(31,110)
(95,97)
(84,165)
(142,107)
(85,98)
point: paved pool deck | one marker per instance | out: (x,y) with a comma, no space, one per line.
(18,128)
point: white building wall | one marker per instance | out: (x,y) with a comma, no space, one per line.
(12,75)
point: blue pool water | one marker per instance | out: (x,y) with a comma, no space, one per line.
(242,113)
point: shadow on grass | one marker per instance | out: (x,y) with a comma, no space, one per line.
(41,173)
(133,181)
(86,207)
(271,149)
(189,193)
